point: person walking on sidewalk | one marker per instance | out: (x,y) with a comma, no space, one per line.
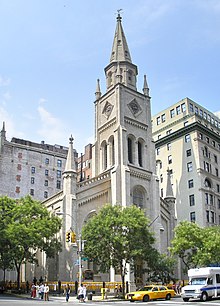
(67,292)
(46,292)
(84,292)
(80,293)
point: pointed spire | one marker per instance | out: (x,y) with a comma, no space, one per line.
(70,161)
(169,191)
(145,87)
(120,51)
(3,131)
(98,90)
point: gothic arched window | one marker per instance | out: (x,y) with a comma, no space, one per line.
(140,153)
(138,196)
(112,150)
(130,150)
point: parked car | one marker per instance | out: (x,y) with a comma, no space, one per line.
(151,292)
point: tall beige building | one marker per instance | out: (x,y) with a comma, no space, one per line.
(187,139)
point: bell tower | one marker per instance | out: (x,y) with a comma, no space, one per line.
(123,135)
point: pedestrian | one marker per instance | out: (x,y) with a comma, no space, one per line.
(37,290)
(84,292)
(46,292)
(41,291)
(67,292)
(80,293)
(33,291)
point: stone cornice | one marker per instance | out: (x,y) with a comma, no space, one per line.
(135,123)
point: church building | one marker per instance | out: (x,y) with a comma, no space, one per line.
(123,167)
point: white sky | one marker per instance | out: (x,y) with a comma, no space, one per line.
(52,52)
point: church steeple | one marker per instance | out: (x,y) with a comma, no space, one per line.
(120,51)
(70,162)
(120,69)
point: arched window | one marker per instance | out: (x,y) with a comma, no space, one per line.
(112,150)
(140,153)
(138,196)
(130,150)
(208,183)
(104,155)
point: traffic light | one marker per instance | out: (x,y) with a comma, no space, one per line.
(73,237)
(68,237)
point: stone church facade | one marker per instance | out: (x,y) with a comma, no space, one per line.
(122,166)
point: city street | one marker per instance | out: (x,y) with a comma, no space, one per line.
(7,300)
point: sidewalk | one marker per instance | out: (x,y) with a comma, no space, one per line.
(95,298)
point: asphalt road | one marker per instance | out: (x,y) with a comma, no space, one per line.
(7,300)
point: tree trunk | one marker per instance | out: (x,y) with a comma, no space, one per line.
(18,268)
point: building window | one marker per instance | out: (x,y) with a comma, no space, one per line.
(216,159)
(196,110)
(218,187)
(183,107)
(32,192)
(191,200)
(158,151)
(213,143)
(46,172)
(169,132)
(33,170)
(59,163)
(207,139)
(32,180)
(193,216)
(206,198)
(201,136)
(172,113)
(187,138)
(45,194)
(206,166)
(205,115)
(46,183)
(161,178)
(211,199)
(178,111)
(140,154)
(170,159)
(185,123)
(17,189)
(207,215)
(161,192)
(190,183)
(158,120)
(19,167)
(130,151)
(218,203)
(18,178)
(169,146)
(201,112)
(138,197)
(47,161)
(188,153)
(191,107)
(163,118)
(212,217)
(58,174)
(58,184)
(216,171)
(189,167)
(19,155)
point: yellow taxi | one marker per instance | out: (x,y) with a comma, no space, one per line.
(150,292)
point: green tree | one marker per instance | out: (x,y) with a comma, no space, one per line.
(119,236)
(194,246)
(30,227)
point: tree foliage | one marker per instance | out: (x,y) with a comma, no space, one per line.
(196,246)
(119,236)
(27,227)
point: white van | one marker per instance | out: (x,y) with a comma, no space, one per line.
(204,283)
